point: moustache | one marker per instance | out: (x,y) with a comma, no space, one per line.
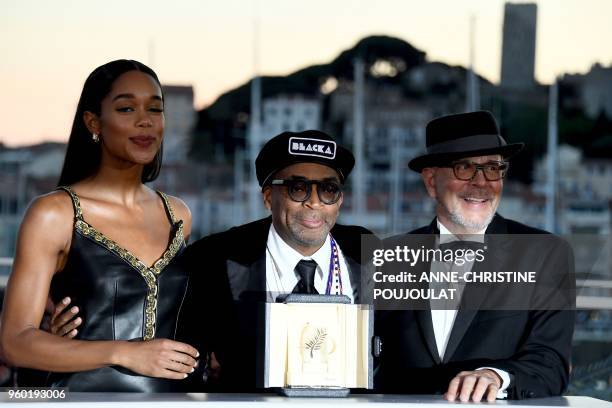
(479,193)
(311,216)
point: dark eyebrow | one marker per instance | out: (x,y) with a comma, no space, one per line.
(331,179)
(131,96)
(487,162)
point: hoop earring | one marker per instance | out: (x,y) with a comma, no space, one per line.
(95,137)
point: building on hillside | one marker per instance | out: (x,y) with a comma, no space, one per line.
(519,45)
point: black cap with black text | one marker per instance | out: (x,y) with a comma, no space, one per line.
(309,146)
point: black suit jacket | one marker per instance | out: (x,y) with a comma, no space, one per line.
(223,311)
(533,346)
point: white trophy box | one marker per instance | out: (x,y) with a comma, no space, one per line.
(317,345)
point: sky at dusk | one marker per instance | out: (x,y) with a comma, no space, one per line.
(49,47)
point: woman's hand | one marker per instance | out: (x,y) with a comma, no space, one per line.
(63,322)
(162,358)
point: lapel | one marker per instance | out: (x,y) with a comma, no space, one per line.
(423,317)
(354,270)
(246,270)
(462,322)
(248,282)
(350,242)
(476,294)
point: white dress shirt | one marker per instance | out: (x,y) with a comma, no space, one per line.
(281,260)
(443,320)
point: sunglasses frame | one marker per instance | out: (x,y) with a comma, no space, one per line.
(288,182)
(481,167)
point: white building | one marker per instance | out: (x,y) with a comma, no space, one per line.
(583,193)
(394,130)
(180,118)
(25,172)
(579,177)
(293,113)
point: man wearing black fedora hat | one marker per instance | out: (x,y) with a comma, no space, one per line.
(298,249)
(468,353)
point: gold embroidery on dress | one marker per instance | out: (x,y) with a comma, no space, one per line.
(150,274)
(168,206)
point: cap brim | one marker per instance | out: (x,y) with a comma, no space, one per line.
(288,163)
(343,166)
(433,160)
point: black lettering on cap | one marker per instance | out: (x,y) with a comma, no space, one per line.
(302,146)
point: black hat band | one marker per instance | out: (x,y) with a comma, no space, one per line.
(468,143)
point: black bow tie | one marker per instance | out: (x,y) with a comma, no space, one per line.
(306,271)
(464,245)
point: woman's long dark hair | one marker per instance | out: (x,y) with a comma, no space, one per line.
(83,155)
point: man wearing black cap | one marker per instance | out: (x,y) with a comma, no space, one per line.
(466,353)
(298,249)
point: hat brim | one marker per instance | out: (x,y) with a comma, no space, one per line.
(343,166)
(288,163)
(434,160)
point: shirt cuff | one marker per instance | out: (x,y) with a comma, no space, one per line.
(501,393)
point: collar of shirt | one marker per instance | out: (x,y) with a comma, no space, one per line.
(285,259)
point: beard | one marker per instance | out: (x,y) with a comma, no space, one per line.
(470,224)
(474,223)
(307,237)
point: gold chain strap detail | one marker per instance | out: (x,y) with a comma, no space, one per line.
(78,213)
(168,206)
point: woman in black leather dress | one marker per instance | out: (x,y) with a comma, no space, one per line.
(109,242)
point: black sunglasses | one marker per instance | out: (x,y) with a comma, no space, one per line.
(299,190)
(466,170)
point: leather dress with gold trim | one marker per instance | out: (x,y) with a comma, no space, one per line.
(120,298)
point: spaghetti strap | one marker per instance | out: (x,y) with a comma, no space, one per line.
(76,204)
(167,207)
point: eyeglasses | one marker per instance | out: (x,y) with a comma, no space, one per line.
(466,170)
(329,192)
